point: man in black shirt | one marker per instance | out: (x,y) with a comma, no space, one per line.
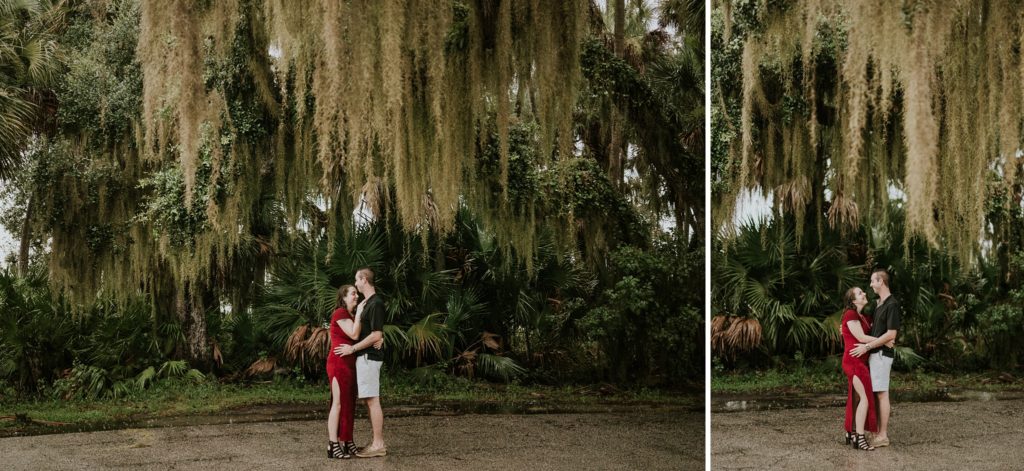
(884,326)
(369,360)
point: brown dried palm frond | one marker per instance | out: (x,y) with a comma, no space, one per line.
(718,327)
(466,363)
(261,367)
(794,194)
(491,340)
(293,348)
(843,212)
(744,334)
(218,357)
(317,346)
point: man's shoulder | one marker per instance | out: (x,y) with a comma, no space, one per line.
(891,302)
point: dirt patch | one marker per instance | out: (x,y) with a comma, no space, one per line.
(977,435)
(647,438)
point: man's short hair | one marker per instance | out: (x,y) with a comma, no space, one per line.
(883,275)
(367,273)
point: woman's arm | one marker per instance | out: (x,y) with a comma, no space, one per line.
(352,327)
(858,332)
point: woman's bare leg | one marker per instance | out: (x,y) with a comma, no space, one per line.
(861,415)
(333,417)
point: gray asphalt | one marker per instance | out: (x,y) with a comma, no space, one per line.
(650,439)
(975,435)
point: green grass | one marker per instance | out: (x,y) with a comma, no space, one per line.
(178,398)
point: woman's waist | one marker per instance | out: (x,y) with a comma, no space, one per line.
(333,359)
(341,340)
(851,360)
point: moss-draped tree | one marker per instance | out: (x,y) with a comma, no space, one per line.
(196,137)
(830,106)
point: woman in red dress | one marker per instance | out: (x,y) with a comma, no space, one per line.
(860,399)
(341,373)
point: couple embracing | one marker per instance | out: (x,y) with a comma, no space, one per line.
(353,367)
(867,361)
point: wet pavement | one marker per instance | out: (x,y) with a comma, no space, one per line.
(957,430)
(724,403)
(645,437)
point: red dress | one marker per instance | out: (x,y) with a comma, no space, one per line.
(858,367)
(344,369)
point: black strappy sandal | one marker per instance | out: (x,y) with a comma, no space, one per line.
(861,443)
(350,449)
(336,451)
(849,438)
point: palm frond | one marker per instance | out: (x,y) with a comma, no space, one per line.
(145,378)
(907,357)
(498,367)
(261,367)
(428,337)
(173,369)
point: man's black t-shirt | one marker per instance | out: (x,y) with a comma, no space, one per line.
(886,318)
(372,319)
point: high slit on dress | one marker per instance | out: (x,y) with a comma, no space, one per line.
(857,367)
(344,370)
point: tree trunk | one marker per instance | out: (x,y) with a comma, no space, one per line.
(26,238)
(617,148)
(193,325)
(620,27)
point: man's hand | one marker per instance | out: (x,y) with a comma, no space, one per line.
(379,344)
(859,350)
(344,350)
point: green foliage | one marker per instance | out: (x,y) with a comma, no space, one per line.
(1000,328)
(253,236)
(101,92)
(953,318)
(92,382)
(34,331)
(648,325)
(105,349)
(791,290)
(29,64)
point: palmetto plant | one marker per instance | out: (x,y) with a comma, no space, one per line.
(766,285)
(436,313)
(28,64)
(930,284)
(34,330)
(299,300)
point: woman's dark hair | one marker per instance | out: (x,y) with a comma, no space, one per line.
(341,295)
(849,298)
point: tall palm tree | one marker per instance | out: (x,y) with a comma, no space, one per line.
(28,65)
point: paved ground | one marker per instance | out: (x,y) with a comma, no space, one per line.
(975,435)
(650,439)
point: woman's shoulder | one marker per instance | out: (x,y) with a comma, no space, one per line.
(340,313)
(850,314)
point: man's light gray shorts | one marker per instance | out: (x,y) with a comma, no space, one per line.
(880,366)
(368,377)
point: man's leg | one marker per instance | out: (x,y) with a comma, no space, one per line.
(376,421)
(369,389)
(882,401)
(881,367)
